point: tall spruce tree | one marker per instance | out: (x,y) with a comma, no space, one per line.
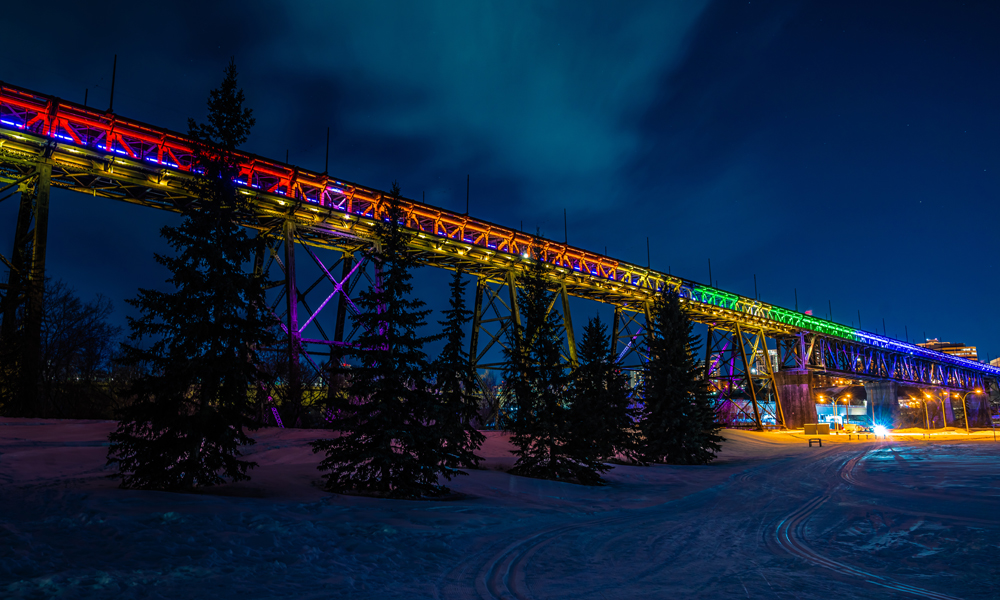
(678,420)
(389,444)
(539,386)
(455,382)
(605,423)
(192,407)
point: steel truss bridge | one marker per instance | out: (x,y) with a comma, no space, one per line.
(45,142)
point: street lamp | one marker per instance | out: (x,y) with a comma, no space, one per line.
(927,415)
(965,409)
(836,400)
(944,417)
(847,416)
(821,398)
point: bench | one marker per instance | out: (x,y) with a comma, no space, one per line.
(817,440)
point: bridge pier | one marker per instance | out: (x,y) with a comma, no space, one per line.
(883,397)
(21,334)
(293,389)
(979,410)
(796,392)
(20,262)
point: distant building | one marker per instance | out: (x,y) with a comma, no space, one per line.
(995,362)
(955,349)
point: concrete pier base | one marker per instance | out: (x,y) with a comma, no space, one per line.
(797,401)
(883,397)
(979,410)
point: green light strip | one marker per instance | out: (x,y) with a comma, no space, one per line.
(731,301)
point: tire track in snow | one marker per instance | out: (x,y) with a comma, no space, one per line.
(790,535)
(847,473)
(502,576)
(499,570)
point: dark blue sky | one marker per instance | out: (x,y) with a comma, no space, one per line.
(846,150)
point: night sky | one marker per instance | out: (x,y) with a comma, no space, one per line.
(846,150)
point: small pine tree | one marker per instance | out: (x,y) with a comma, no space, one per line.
(678,420)
(388,443)
(538,384)
(192,408)
(605,425)
(455,383)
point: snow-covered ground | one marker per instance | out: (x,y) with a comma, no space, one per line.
(773,518)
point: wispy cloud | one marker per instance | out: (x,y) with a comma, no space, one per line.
(549,93)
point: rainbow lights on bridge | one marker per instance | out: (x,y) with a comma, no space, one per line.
(115,141)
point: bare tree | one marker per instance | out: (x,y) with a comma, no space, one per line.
(78,350)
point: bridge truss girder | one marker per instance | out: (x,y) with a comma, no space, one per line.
(102,154)
(815,352)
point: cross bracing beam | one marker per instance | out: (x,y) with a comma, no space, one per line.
(740,378)
(102,154)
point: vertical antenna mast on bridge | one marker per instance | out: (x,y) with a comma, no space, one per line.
(326,163)
(114,72)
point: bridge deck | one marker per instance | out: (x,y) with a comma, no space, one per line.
(102,154)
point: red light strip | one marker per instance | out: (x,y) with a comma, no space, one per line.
(78,125)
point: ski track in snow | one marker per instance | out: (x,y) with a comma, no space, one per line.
(790,536)
(772,519)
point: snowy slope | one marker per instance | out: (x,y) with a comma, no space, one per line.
(772,518)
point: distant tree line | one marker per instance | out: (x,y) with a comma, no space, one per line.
(199,379)
(80,376)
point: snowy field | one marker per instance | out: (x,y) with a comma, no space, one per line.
(773,518)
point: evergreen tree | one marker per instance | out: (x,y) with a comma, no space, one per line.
(539,384)
(388,443)
(678,421)
(455,382)
(604,423)
(192,406)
